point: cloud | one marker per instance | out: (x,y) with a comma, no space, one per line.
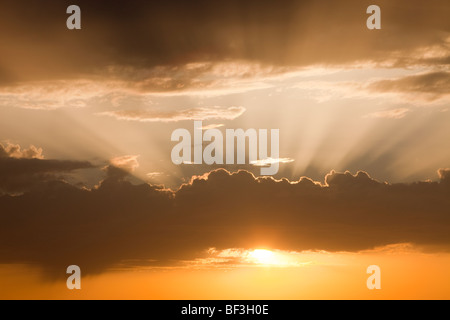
(297,33)
(236,257)
(152,175)
(128,163)
(19,175)
(198,78)
(118,222)
(270,161)
(444,175)
(118,85)
(212,126)
(429,86)
(347,180)
(200,113)
(15,151)
(24,169)
(389,114)
(56,94)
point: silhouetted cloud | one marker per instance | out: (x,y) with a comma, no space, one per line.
(22,170)
(444,174)
(59,224)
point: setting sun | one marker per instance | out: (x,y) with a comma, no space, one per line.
(263,256)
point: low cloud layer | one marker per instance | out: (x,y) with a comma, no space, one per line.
(118,222)
(23,170)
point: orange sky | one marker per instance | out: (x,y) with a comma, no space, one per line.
(405,274)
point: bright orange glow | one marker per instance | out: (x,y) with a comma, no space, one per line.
(406,273)
(263,256)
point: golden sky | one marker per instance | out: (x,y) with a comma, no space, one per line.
(86,175)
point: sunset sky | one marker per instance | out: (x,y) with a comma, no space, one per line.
(87,179)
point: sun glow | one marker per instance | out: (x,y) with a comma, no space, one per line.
(238,257)
(262,256)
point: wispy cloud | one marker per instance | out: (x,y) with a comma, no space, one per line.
(152,175)
(389,114)
(212,126)
(128,163)
(429,86)
(238,257)
(270,161)
(201,113)
(50,95)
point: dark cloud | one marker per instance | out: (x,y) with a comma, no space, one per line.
(3,152)
(145,34)
(444,174)
(347,180)
(434,84)
(23,170)
(19,175)
(118,222)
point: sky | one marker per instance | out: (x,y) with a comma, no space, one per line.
(87,178)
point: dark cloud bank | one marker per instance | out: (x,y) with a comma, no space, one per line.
(25,170)
(54,224)
(143,34)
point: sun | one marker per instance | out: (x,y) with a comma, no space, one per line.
(263,256)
